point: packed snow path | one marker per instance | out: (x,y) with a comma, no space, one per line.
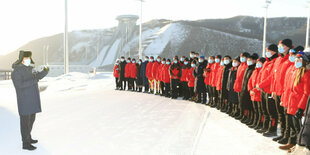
(83,114)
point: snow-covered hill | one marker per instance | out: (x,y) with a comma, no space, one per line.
(83,114)
(166,38)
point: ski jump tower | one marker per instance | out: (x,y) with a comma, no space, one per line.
(125,30)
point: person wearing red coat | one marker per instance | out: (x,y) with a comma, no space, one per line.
(133,74)
(155,66)
(214,76)
(149,75)
(239,78)
(160,75)
(166,78)
(208,78)
(191,81)
(127,73)
(267,105)
(255,93)
(116,75)
(299,94)
(183,80)
(286,89)
(218,85)
(276,82)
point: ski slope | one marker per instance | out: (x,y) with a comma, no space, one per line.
(83,114)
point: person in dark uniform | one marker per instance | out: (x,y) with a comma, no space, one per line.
(25,79)
(122,79)
(200,87)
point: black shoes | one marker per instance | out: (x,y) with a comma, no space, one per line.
(28,146)
(33,141)
(277,138)
(270,133)
(283,140)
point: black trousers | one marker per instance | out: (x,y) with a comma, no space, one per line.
(263,107)
(191,92)
(181,89)
(146,85)
(131,84)
(209,88)
(281,114)
(185,90)
(294,124)
(162,86)
(174,87)
(26,124)
(117,82)
(202,97)
(167,90)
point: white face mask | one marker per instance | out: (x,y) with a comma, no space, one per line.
(27,62)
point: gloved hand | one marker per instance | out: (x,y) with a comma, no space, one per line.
(46,68)
(299,113)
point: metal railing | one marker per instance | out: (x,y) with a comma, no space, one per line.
(5,74)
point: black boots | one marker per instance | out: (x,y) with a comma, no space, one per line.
(28,146)
(272,130)
(265,125)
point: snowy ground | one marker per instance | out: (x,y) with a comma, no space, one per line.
(83,114)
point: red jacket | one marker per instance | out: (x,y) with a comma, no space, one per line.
(239,77)
(160,72)
(266,70)
(288,77)
(219,78)
(116,71)
(214,73)
(252,83)
(190,77)
(299,94)
(208,74)
(133,70)
(184,74)
(166,75)
(174,73)
(155,70)
(279,76)
(148,72)
(127,70)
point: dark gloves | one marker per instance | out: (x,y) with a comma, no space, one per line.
(299,113)
(46,68)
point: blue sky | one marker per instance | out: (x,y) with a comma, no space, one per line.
(26,20)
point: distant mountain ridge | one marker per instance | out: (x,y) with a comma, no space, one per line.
(165,38)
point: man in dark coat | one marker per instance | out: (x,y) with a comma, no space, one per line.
(25,80)
(232,95)
(175,72)
(122,79)
(142,73)
(200,87)
(246,102)
(224,93)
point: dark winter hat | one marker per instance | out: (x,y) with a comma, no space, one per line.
(22,55)
(218,56)
(245,54)
(261,59)
(164,59)
(176,57)
(254,56)
(123,57)
(227,56)
(192,52)
(273,47)
(133,59)
(237,58)
(203,57)
(305,55)
(186,59)
(168,60)
(146,56)
(151,57)
(287,42)
(128,58)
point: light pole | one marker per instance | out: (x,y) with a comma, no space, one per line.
(307,31)
(265,27)
(66,53)
(140,34)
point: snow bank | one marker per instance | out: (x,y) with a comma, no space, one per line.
(83,114)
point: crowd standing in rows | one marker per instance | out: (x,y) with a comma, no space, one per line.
(260,92)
